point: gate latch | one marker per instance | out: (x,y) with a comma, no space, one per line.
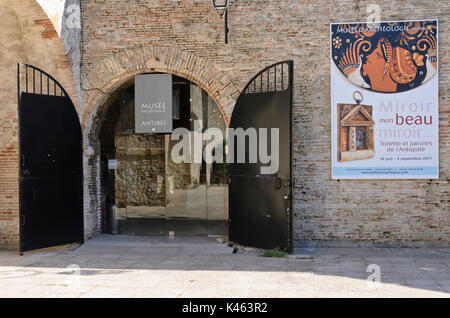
(287,190)
(277,183)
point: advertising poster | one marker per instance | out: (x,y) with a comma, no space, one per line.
(384,100)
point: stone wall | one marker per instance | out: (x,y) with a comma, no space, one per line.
(123,38)
(140,177)
(65,18)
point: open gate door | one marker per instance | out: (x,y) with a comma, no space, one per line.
(50,176)
(260,205)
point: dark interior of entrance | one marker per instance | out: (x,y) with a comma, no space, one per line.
(144,192)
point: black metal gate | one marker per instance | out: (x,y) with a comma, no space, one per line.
(50,174)
(260,205)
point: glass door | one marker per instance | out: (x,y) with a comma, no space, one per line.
(154,193)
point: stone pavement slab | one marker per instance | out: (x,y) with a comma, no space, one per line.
(132,266)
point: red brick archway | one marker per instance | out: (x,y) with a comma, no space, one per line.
(110,74)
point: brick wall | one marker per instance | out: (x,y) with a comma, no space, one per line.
(120,39)
(26,35)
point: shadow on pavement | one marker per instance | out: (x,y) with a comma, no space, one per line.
(423,268)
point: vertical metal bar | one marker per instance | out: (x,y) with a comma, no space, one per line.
(21,230)
(40,73)
(26,78)
(34,82)
(282,76)
(275,79)
(268,80)
(261,88)
(291,102)
(18,83)
(254,86)
(205,114)
(54,88)
(48,85)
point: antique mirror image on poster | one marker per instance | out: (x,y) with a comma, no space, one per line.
(384,100)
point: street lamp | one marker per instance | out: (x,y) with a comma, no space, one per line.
(222,8)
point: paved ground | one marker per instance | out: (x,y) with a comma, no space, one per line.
(127,266)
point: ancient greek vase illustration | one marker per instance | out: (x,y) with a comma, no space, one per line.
(391,57)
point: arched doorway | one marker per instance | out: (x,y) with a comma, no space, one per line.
(109,74)
(143,190)
(268,87)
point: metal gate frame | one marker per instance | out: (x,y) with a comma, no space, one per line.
(257,85)
(38,76)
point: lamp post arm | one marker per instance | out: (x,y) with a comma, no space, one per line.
(226,26)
